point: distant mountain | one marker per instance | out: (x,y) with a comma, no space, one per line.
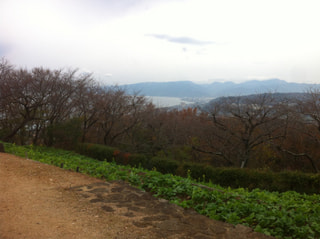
(178,89)
(276,98)
(290,98)
(216,89)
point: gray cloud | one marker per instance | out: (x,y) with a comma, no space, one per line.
(180,40)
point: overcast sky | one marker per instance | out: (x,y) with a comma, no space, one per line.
(129,41)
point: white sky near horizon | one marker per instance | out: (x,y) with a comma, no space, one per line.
(129,41)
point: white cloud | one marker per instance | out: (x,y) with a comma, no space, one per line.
(220,39)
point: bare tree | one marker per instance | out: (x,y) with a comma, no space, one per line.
(24,97)
(304,135)
(151,136)
(63,104)
(87,100)
(32,102)
(6,71)
(240,124)
(119,113)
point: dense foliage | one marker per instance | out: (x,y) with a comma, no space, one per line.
(284,215)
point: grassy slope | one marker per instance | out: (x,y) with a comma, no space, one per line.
(284,215)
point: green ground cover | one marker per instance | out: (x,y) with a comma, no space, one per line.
(283,215)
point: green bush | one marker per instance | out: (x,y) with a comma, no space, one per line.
(64,134)
(194,170)
(299,182)
(251,179)
(138,160)
(227,177)
(236,178)
(97,151)
(163,165)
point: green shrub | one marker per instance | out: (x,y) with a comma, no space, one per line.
(138,160)
(194,170)
(97,151)
(299,182)
(227,177)
(251,179)
(64,134)
(163,165)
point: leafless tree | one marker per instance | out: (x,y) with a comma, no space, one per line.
(119,113)
(87,98)
(304,139)
(240,124)
(32,102)
(24,97)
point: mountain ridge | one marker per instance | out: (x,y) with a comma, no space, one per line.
(216,89)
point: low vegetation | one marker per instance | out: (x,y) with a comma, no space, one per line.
(229,177)
(283,215)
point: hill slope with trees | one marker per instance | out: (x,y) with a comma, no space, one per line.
(64,108)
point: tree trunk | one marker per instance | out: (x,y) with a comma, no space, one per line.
(8,137)
(2,148)
(245,159)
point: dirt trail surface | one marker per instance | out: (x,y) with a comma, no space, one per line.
(43,201)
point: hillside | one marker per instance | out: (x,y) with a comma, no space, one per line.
(42,201)
(216,89)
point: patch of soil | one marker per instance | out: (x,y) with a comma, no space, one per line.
(43,201)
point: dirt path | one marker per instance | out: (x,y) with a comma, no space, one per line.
(42,201)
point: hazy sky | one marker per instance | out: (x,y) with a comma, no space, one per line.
(128,41)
